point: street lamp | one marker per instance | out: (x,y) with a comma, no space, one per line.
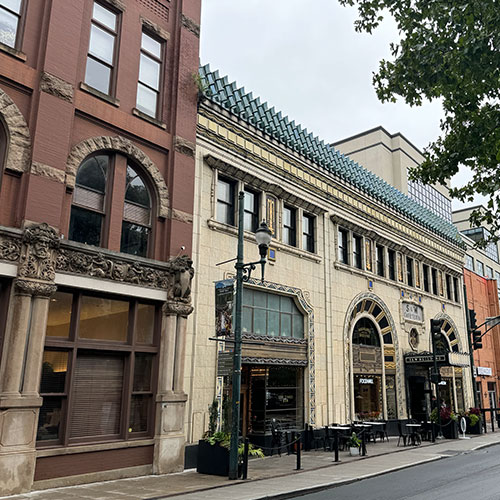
(243,271)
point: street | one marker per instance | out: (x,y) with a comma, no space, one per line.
(465,476)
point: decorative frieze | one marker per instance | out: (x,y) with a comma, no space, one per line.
(34,287)
(10,249)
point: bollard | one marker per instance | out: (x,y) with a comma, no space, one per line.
(245,459)
(298,443)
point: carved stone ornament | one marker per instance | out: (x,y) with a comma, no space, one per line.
(33,287)
(183,272)
(177,308)
(38,254)
(10,249)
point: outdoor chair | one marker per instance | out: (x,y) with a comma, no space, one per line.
(402,435)
(330,439)
(381,432)
(319,438)
(276,439)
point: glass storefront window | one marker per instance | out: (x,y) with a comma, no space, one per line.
(145,323)
(367,396)
(103,319)
(271,315)
(60,315)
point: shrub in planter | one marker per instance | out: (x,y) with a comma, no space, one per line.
(354,443)
(449,424)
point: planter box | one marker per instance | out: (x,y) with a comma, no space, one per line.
(450,429)
(354,452)
(473,429)
(212,459)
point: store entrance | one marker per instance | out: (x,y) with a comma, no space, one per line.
(418,402)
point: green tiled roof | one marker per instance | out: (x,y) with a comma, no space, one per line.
(243,104)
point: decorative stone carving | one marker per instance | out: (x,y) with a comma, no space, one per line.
(56,86)
(155,28)
(190,25)
(19,145)
(38,255)
(184,146)
(177,308)
(273,361)
(183,272)
(122,145)
(33,287)
(10,249)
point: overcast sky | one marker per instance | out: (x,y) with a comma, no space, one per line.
(306,59)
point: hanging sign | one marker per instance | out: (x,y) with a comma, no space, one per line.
(224,294)
(225,364)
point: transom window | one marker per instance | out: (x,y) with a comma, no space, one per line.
(102,49)
(365,333)
(271,315)
(150,76)
(90,208)
(100,354)
(10,21)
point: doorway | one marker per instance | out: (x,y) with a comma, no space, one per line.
(418,404)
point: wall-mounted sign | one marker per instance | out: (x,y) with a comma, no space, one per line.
(424,358)
(413,312)
(225,364)
(483,370)
(366,381)
(271,213)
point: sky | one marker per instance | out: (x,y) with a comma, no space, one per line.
(306,59)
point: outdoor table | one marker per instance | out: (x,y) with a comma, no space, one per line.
(336,430)
(413,434)
(363,442)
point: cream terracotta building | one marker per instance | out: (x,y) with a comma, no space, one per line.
(339,329)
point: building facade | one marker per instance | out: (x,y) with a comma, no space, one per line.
(339,328)
(97,131)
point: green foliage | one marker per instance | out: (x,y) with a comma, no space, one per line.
(474,419)
(354,441)
(212,417)
(448,51)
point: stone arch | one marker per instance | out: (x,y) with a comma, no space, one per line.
(450,330)
(362,305)
(18,154)
(105,143)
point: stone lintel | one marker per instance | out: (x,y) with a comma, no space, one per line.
(11,401)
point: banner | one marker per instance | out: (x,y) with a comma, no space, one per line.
(224,294)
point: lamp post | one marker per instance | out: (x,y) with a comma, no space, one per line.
(243,271)
(436,325)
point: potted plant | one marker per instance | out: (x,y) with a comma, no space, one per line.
(213,449)
(473,419)
(449,425)
(354,443)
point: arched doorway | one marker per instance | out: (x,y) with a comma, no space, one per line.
(367,370)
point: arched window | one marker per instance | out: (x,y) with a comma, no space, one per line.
(365,333)
(88,208)
(136,225)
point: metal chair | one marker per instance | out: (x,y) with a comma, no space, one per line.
(402,435)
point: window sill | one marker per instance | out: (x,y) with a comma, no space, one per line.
(226,228)
(96,93)
(86,448)
(13,52)
(150,119)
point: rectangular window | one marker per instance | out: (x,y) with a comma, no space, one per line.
(480,268)
(101,57)
(489,272)
(10,22)
(290,226)
(409,271)
(251,211)
(497,277)
(391,257)
(357,249)
(469,262)
(425,271)
(380,260)
(434,274)
(150,76)
(308,232)
(225,201)
(99,357)
(456,295)
(448,287)
(343,250)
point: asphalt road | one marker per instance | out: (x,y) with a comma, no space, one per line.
(471,476)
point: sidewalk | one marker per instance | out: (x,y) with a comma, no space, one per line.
(272,477)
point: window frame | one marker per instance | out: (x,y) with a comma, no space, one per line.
(380,259)
(161,61)
(292,229)
(426,278)
(434,281)
(232,204)
(343,245)
(21,23)
(357,251)
(73,344)
(391,257)
(116,48)
(309,239)
(410,272)
(255,213)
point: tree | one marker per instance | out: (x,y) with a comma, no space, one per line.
(449,49)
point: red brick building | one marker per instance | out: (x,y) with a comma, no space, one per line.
(482,296)
(97,130)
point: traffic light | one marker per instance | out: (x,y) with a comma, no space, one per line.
(476,339)
(436,325)
(472,318)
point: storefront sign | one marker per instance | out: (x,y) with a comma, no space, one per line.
(483,370)
(224,293)
(413,312)
(225,364)
(424,358)
(366,381)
